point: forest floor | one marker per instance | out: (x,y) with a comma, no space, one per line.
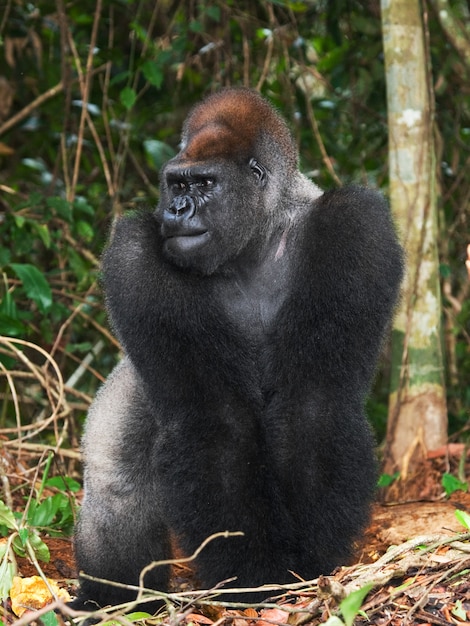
(415,557)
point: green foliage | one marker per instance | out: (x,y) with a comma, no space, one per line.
(459,611)
(7,570)
(385,480)
(22,541)
(452,484)
(128,97)
(464,518)
(35,285)
(49,619)
(351,605)
(52,513)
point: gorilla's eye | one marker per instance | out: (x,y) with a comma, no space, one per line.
(205,183)
(177,186)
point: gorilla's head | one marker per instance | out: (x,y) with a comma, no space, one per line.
(222,195)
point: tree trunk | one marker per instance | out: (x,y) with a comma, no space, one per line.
(417,419)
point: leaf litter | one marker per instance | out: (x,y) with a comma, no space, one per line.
(413,563)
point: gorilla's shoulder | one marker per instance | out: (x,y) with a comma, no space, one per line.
(350,198)
(351,211)
(352,225)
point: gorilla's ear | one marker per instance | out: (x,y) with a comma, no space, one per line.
(259,171)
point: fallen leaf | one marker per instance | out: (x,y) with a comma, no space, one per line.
(32,593)
(278,616)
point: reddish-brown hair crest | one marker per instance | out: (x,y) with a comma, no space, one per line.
(232,124)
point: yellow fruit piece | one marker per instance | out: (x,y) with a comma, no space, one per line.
(29,594)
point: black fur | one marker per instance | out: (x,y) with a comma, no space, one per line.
(241,417)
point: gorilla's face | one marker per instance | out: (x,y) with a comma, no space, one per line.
(210,212)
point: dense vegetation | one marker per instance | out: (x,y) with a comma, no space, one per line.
(92,96)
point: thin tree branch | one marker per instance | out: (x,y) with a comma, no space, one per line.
(47,95)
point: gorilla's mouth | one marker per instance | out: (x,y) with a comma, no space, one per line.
(187,241)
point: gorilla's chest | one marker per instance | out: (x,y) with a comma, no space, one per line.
(252,302)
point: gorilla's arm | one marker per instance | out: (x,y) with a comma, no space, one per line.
(349,275)
(324,350)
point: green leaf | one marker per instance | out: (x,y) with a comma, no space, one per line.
(7,571)
(11,327)
(6,516)
(62,207)
(128,97)
(43,231)
(386,480)
(63,483)
(40,548)
(49,619)
(459,611)
(120,77)
(196,27)
(351,605)
(139,30)
(153,73)
(451,484)
(81,16)
(20,221)
(18,546)
(23,534)
(35,285)
(84,230)
(8,305)
(82,205)
(334,58)
(42,515)
(264,33)
(463,517)
(5,256)
(213,12)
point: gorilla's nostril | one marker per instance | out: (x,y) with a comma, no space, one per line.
(182,206)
